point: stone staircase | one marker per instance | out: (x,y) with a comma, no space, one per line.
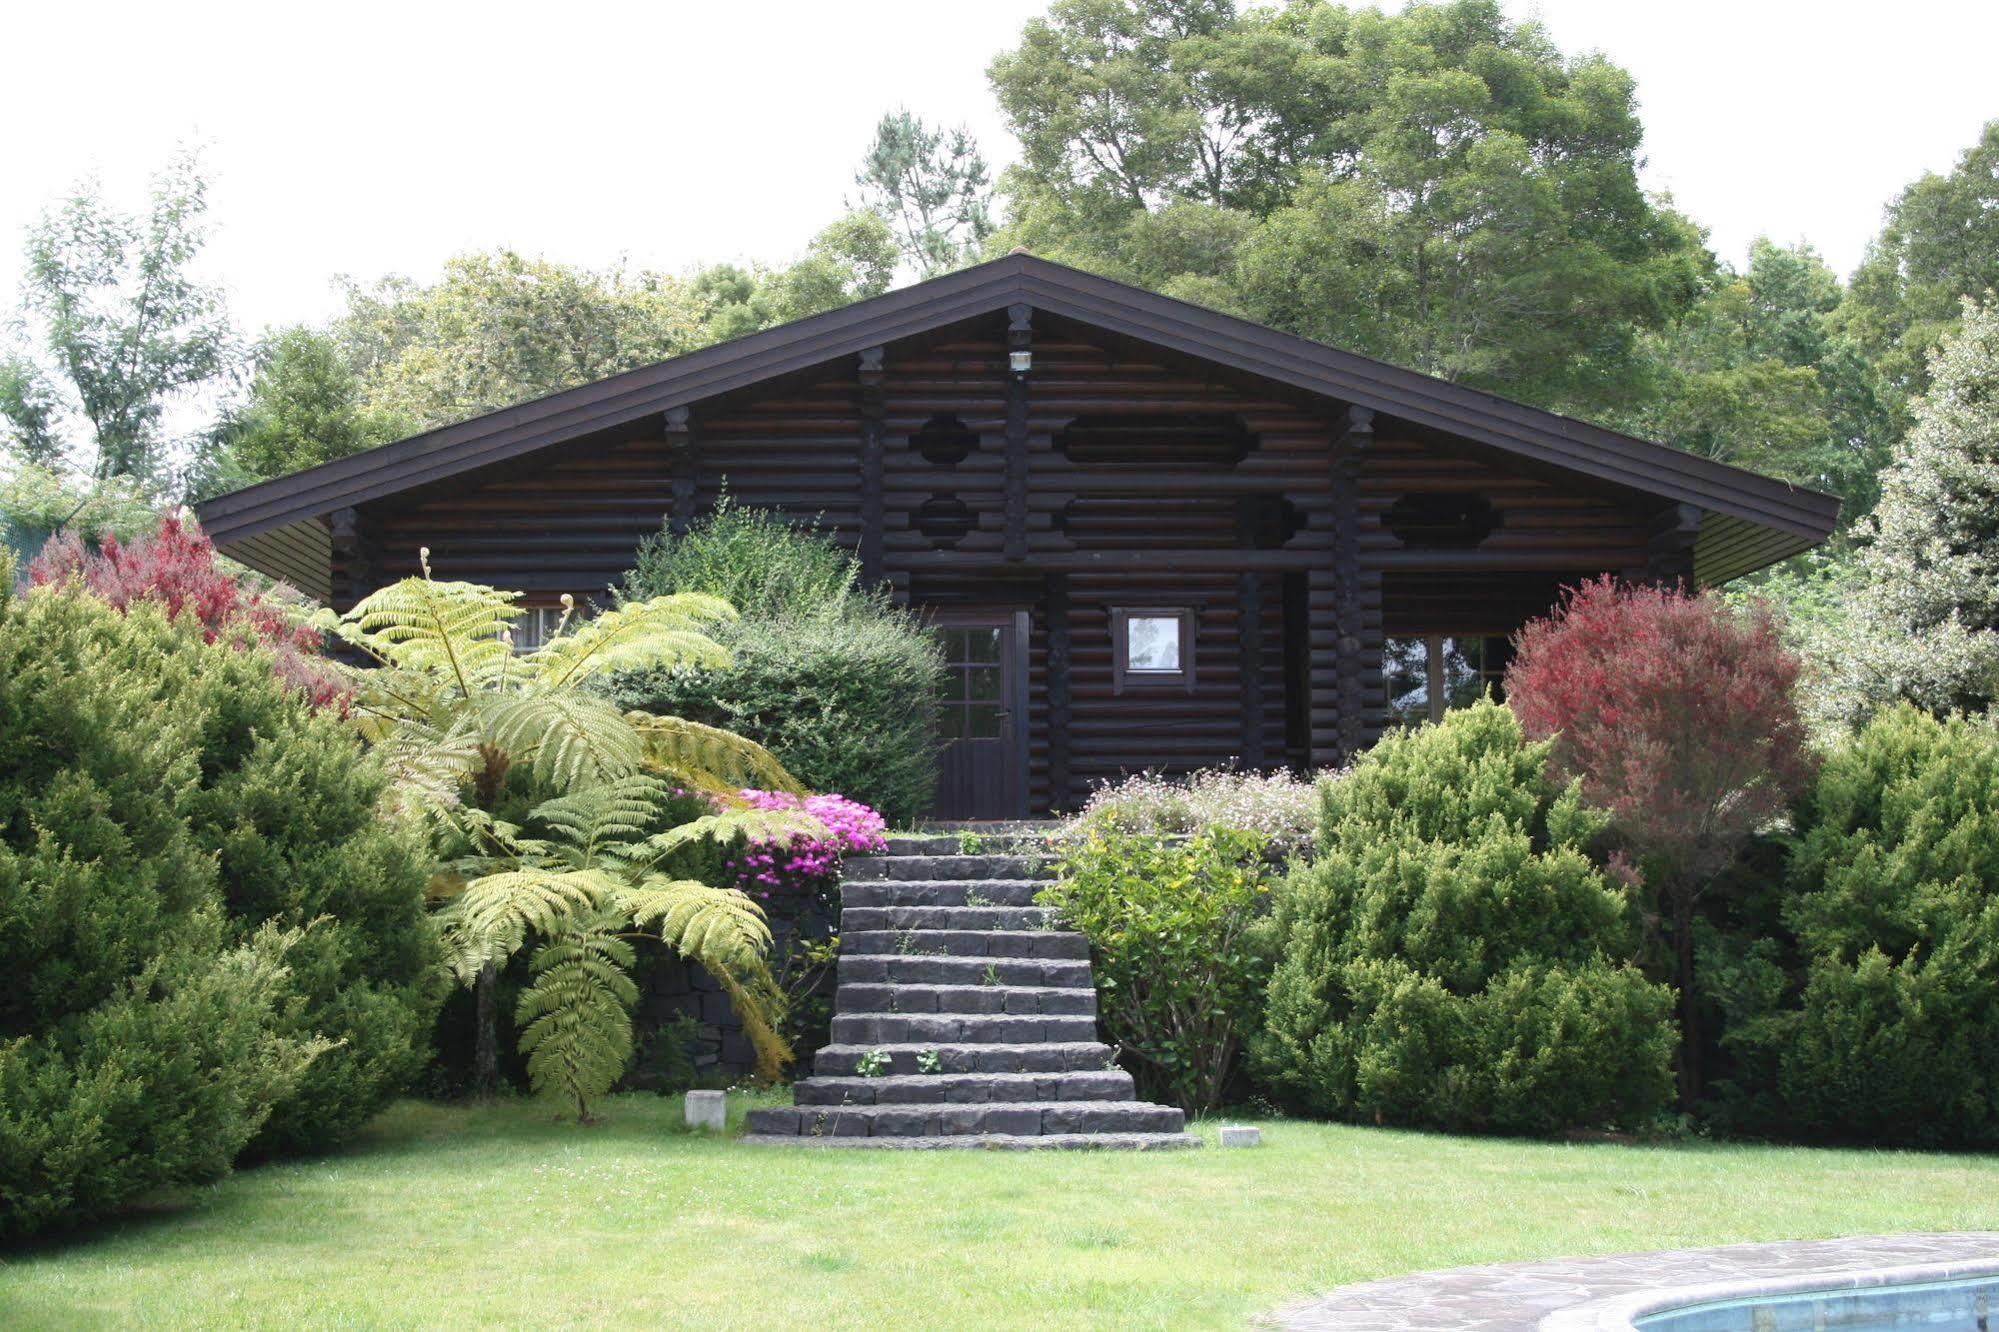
(963,1018)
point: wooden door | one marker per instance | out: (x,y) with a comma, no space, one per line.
(982,716)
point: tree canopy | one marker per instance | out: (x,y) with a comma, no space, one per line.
(1442,188)
(128,330)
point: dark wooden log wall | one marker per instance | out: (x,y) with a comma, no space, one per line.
(1069,540)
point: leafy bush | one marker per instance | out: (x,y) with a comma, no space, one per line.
(139,1046)
(1171,925)
(755,560)
(832,678)
(1677,715)
(1452,957)
(1278,806)
(1877,1015)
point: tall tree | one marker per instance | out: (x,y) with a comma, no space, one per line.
(1925,625)
(1939,245)
(1755,374)
(499,328)
(934,188)
(305,407)
(126,328)
(1442,188)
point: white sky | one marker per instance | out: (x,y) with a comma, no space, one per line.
(365,138)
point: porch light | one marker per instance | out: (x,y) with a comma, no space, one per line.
(1020,362)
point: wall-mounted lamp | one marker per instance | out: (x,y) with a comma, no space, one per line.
(1020,362)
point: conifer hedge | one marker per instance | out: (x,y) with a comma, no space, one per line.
(204,931)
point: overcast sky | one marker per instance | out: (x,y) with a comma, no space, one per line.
(365,138)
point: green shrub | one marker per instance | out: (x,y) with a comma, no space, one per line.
(1453,956)
(1171,924)
(138,1047)
(1277,806)
(848,705)
(289,809)
(1877,1017)
(834,679)
(754,559)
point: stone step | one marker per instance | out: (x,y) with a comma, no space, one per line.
(949,867)
(858,968)
(843,1060)
(860,919)
(969,943)
(1013,1118)
(939,892)
(960,1028)
(886,998)
(992,1142)
(981,844)
(1103,1084)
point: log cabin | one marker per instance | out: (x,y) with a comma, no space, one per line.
(1150,535)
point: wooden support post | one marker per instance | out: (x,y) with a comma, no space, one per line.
(683,449)
(1059,695)
(353,571)
(1249,639)
(873,405)
(1019,343)
(1669,553)
(1348,448)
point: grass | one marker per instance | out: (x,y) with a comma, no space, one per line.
(501,1217)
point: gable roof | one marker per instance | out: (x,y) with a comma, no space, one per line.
(1749,520)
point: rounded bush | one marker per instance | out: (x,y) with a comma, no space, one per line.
(1893,1035)
(1453,958)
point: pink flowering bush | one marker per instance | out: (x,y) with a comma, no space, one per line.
(805,863)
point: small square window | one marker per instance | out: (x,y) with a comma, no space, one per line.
(1152,643)
(1152,647)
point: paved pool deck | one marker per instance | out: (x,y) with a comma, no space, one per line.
(1515,1297)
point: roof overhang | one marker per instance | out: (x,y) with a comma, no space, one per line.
(1748,520)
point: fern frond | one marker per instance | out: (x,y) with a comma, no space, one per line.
(457,632)
(509,904)
(759,1005)
(721,928)
(709,758)
(664,631)
(726,932)
(571,739)
(600,819)
(575,1019)
(761,825)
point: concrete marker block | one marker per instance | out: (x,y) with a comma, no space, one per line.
(707,1110)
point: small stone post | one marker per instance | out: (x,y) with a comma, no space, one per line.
(707,1110)
(1235,1135)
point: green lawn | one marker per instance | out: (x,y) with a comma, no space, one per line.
(501,1217)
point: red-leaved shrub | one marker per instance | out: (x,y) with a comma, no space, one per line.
(1676,711)
(176,566)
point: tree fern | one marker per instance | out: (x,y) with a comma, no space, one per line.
(575,1018)
(454,711)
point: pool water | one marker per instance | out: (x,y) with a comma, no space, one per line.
(1969,1304)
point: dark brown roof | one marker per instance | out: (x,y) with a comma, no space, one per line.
(1757,519)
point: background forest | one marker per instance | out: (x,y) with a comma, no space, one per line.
(1442,188)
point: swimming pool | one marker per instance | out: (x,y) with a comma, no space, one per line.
(1967,1303)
